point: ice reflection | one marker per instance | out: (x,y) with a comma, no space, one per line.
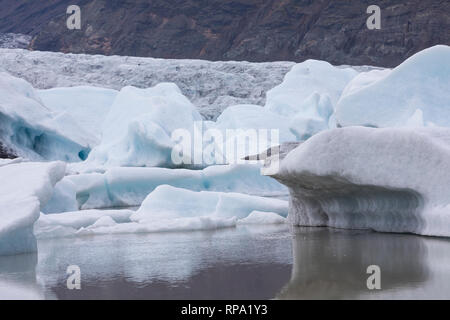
(332,264)
(18,278)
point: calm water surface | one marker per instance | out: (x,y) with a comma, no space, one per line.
(238,263)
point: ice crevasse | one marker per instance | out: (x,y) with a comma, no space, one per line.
(388,180)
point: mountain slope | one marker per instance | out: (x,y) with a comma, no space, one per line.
(253,30)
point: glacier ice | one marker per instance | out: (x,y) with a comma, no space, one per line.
(87,105)
(416,93)
(303,80)
(29,186)
(121,187)
(307,96)
(167,202)
(32,131)
(390,180)
(68,224)
(138,128)
(211,86)
(254,117)
(64,198)
(261,217)
(167,209)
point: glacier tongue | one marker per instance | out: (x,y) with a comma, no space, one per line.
(24,189)
(211,86)
(389,180)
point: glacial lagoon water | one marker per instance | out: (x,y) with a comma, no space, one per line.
(247,262)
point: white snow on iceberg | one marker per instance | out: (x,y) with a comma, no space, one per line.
(390,180)
(416,93)
(25,188)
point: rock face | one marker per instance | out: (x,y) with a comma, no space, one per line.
(253,30)
(5,153)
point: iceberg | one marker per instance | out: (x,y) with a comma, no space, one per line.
(69,224)
(125,187)
(88,106)
(308,95)
(137,130)
(244,117)
(167,209)
(29,186)
(416,93)
(311,77)
(30,130)
(261,218)
(388,180)
(167,202)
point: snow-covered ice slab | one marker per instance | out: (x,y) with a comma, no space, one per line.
(416,93)
(31,130)
(24,188)
(389,180)
(122,187)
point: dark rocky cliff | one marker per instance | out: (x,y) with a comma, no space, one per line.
(253,30)
(5,153)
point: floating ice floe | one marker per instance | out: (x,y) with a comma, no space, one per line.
(124,187)
(416,93)
(32,131)
(260,218)
(87,105)
(167,209)
(390,180)
(25,188)
(69,224)
(168,202)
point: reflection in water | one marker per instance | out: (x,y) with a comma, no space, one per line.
(240,263)
(18,278)
(332,264)
(247,262)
